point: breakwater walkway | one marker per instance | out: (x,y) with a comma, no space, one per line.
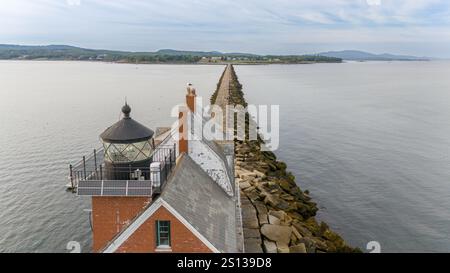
(223,93)
(277,216)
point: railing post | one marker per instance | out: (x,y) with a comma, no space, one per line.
(95,159)
(95,162)
(84,167)
(175,151)
(168,161)
(129,172)
(161,176)
(71,175)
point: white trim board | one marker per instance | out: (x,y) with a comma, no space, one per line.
(131,229)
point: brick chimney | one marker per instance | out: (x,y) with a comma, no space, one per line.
(190,102)
(183,133)
(190,97)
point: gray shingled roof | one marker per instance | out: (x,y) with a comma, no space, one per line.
(218,149)
(203,203)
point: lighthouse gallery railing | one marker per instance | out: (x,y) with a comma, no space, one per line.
(88,177)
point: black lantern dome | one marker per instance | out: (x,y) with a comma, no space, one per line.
(127,142)
(127,130)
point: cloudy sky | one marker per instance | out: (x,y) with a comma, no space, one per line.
(417,27)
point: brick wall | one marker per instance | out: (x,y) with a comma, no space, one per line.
(182,239)
(111,214)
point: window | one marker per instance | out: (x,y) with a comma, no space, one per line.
(163,234)
(130,152)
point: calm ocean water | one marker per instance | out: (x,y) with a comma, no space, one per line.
(369,140)
(372,143)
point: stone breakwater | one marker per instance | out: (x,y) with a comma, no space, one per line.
(278,217)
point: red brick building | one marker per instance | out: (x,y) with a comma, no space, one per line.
(152,192)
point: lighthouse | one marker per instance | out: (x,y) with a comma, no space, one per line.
(122,177)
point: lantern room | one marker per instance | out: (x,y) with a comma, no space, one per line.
(127,144)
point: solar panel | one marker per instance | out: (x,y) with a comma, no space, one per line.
(115,188)
(139,184)
(114,192)
(89,191)
(89,184)
(139,192)
(115,184)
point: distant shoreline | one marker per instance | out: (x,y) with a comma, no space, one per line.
(182,57)
(220,63)
(169,56)
(166,63)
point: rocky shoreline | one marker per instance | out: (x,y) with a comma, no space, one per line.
(278,217)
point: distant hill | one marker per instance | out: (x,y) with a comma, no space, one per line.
(65,52)
(192,53)
(53,52)
(355,55)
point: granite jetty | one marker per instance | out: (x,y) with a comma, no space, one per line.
(278,217)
